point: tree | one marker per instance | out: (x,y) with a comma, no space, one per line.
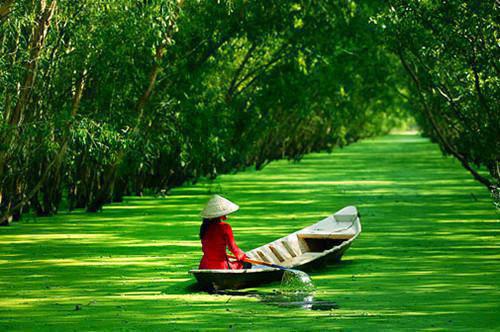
(105,99)
(450,53)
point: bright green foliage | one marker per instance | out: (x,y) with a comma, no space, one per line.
(450,52)
(100,99)
(123,96)
(426,260)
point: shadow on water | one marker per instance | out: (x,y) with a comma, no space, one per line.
(427,258)
(292,300)
(298,300)
(296,291)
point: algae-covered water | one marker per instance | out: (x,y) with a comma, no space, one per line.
(427,259)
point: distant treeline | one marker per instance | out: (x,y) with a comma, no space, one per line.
(101,99)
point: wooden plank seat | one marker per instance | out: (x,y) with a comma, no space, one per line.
(277,253)
(302,259)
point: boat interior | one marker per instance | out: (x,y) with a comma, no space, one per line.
(309,243)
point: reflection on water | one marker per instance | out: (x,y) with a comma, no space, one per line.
(300,300)
(292,300)
(296,291)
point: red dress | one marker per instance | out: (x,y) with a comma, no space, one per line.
(217,237)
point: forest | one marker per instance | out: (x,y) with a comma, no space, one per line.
(105,99)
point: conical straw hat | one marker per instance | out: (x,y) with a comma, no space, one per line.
(218,206)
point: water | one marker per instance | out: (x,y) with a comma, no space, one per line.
(298,300)
(296,292)
(296,281)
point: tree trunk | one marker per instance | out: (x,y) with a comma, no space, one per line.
(15,117)
(437,129)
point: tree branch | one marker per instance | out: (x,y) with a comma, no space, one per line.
(441,137)
(247,57)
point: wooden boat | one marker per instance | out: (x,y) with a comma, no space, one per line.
(316,245)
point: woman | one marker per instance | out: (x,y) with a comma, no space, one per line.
(216,236)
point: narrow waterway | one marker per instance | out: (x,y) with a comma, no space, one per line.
(427,257)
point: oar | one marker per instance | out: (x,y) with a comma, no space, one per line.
(293,279)
(252,261)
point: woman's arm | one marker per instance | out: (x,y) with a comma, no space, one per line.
(230,244)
